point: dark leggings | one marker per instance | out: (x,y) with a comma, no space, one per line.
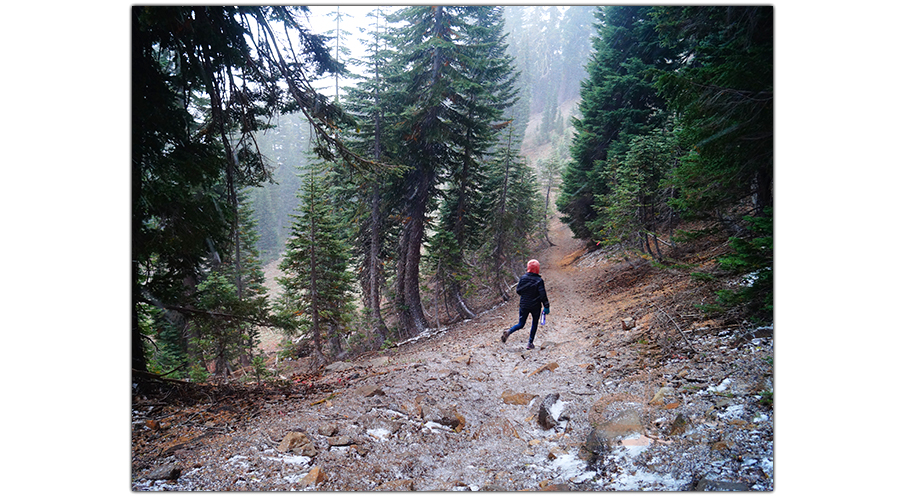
(523,317)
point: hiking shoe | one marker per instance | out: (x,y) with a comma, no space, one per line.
(504,336)
(530,346)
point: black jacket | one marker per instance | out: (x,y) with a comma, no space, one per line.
(531,291)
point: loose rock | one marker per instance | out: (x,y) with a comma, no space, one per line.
(293,441)
(545,418)
(314,478)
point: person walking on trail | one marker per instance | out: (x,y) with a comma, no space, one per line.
(531,296)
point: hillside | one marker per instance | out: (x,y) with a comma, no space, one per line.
(674,402)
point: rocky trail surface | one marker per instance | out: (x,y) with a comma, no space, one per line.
(628,389)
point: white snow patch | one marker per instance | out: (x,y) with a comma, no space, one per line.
(239,460)
(293,478)
(556,409)
(722,387)
(637,480)
(569,466)
(760,417)
(434,426)
(380,433)
(424,335)
(732,412)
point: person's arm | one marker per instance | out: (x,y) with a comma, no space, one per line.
(543,295)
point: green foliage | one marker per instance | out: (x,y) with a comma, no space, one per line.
(767,399)
(753,256)
(725,98)
(635,209)
(199,97)
(198,374)
(618,103)
(260,372)
(317,283)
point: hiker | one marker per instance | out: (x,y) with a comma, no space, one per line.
(531,295)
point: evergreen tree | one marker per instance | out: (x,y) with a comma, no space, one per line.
(519,48)
(619,102)
(576,28)
(725,97)
(430,42)
(199,97)
(514,208)
(317,285)
(487,83)
(254,295)
(636,208)
(550,172)
(373,230)
(726,100)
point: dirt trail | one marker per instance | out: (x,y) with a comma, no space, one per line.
(458,410)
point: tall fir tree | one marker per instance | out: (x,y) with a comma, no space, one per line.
(317,283)
(429,77)
(487,80)
(200,95)
(725,97)
(374,232)
(514,208)
(619,102)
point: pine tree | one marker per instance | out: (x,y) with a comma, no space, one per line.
(373,230)
(726,99)
(576,28)
(427,128)
(200,97)
(317,284)
(725,96)
(636,207)
(487,83)
(619,102)
(514,209)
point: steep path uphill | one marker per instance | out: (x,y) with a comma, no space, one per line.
(593,407)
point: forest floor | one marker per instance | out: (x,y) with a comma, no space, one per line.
(677,402)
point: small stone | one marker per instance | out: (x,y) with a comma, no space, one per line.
(329,429)
(548,367)
(627,323)
(517,398)
(340,441)
(367,391)
(545,419)
(661,394)
(314,478)
(164,473)
(679,425)
(720,446)
(595,447)
(293,441)
(463,359)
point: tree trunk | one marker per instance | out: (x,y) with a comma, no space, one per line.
(460,304)
(373,297)
(412,317)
